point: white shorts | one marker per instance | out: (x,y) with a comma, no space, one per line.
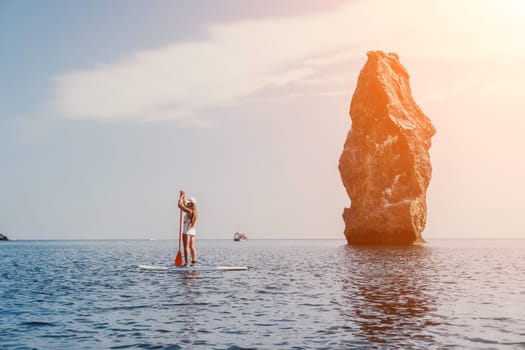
(191,231)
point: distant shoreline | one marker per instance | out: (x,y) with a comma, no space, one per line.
(175,239)
(251,239)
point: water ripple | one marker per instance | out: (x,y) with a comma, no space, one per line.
(300,295)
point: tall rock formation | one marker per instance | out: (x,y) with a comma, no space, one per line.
(385,165)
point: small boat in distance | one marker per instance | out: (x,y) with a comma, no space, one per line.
(239,237)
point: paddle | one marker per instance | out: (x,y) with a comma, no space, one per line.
(178,259)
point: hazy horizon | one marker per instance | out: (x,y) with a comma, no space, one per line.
(255,239)
(108,109)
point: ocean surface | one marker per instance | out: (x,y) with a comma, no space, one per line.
(297,294)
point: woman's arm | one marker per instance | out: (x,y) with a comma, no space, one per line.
(183,207)
(182,200)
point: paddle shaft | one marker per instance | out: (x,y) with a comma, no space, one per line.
(178,258)
(180,227)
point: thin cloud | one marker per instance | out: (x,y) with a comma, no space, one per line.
(237,59)
(179,81)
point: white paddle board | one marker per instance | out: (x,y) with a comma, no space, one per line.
(192,268)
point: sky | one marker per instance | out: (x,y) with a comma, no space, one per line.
(109,108)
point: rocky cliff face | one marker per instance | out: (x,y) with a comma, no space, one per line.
(385,165)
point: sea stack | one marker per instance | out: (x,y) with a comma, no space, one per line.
(3,238)
(385,165)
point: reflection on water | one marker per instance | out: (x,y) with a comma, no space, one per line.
(188,306)
(386,292)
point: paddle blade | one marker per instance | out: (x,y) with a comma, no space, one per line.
(178,259)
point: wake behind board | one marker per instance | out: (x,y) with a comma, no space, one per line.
(192,268)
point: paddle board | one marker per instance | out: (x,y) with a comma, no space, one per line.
(192,268)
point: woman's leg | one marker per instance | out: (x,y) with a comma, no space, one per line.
(186,242)
(193,250)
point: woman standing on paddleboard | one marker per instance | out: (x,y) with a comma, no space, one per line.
(189,207)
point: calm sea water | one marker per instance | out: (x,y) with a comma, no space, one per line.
(297,295)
